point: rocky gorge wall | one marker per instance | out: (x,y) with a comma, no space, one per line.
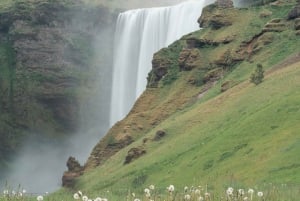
(50,53)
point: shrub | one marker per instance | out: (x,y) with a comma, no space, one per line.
(258,75)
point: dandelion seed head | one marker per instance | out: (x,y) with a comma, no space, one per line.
(250,191)
(246,199)
(98,199)
(197,192)
(187,197)
(24,191)
(241,192)
(200,198)
(260,194)
(104,199)
(85,198)
(186,189)
(207,194)
(229,191)
(146,190)
(40,198)
(5,192)
(171,188)
(76,196)
(136,199)
(152,187)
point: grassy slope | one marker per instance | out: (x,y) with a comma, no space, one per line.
(246,136)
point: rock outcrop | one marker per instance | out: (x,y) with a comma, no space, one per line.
(216,17)
(74,171)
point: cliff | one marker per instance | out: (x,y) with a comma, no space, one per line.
(211,117)
(49,69)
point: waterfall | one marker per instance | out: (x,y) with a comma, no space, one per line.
(139,34)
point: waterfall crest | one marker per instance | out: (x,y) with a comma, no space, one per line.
(139,34)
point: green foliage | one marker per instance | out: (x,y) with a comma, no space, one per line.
(258,75)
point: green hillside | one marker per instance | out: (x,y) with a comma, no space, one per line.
(246,136)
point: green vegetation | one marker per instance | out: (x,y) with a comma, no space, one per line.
(258,75)
(243,137)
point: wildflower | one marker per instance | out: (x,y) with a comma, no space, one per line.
(79,193)
(197,192)
(260,194)
(136,199)
(241,192)
(20,194)
(5,192)
(229,191)
(98,199)
(104,199)
(152,187)
(148,195)
(250,191)
(39,198)
(186,189)
(146,190)
(24,191)
(85,198)
(76,196)
(171,188)
(187,197)
(200,198)
(245,198)
(90,200)
(207,195)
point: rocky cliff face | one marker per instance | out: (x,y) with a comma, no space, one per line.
(49,68)
(195,63)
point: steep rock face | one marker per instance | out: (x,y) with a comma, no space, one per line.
(217,16)
(47,50)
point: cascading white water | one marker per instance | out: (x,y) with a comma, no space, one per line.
(139,34)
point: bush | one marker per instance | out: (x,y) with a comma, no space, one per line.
(258,75)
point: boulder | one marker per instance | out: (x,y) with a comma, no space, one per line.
(134,153)
(74,171)
(295,12)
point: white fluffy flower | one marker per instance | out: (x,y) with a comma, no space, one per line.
(104,199)
(197,192)
(85,198)
(98,199)
(79,193)
(250,191)
(90,200)
(260,194)
(76,196)
(148,195)
(152,187)
(23,191)
(187,197)
(5,192)
(136,199)
(246,199)
(200,198)
(241,192)
(229,191)
(186,189)
(39,198)
(146,190)
(171,188)
(207,195)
